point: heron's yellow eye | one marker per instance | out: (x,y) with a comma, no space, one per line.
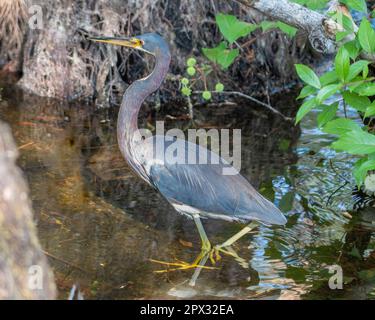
(137,42)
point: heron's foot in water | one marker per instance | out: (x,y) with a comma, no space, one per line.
(226,247)
(206,247)
(215,255)
(182,265)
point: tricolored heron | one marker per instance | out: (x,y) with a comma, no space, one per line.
(195,190)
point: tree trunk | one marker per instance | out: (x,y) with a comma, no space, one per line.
(24,271)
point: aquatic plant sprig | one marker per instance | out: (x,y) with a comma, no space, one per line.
(197,76)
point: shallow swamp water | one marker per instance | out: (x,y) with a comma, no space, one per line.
(100,225)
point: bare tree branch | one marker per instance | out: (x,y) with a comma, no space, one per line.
(245,96)
(321,30)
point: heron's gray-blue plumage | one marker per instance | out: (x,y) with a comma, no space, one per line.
(190,188)
(203,188)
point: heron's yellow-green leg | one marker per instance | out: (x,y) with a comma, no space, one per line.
(201,264)
(238,235)
(216,250)
(231,252)
(206,245)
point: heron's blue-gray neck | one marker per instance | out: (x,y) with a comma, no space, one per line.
(127,124)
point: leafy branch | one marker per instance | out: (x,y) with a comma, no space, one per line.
(223,56)
(348,85)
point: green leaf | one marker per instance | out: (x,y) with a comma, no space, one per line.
(356,142)
(358,5)
(366,89)
(357,102)
(306,92)
(356,68)
(300,2)
(328,78)
(306,107)
(342,35)
(347,23)
(361,168)
(365,72)
(341,126)
(356,171)
(366,36)
(352,48)
(232,28)
(342,64)
(227,57)
(221,55)
(327,92)
(289,30)
(312,4)
(370,111)
(267,25)
(213,53)
(308,76)
(328,113)
(316,4)
(357,85)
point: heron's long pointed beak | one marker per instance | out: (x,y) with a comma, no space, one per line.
(120,41)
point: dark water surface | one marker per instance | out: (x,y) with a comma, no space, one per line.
(100,225)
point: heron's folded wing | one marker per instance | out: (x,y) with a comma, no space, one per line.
(205,188)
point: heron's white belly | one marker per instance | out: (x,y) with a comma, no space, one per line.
(191,211)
